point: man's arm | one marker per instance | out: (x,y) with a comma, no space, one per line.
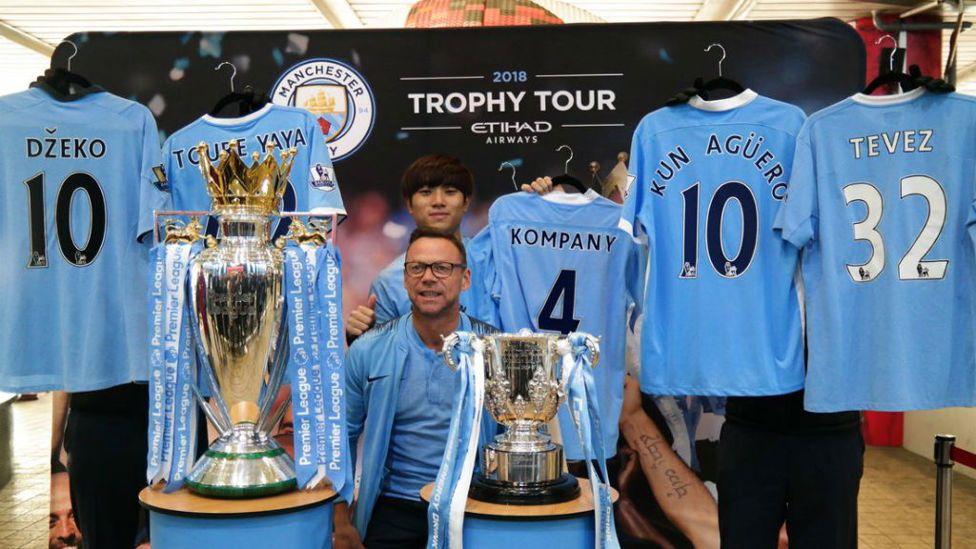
(355,369)
(59,413)
(680,493)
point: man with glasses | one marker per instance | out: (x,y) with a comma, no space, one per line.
(399,396)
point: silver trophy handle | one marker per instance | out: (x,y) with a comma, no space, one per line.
(450,342)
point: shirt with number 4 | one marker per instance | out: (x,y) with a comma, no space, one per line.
(881,202)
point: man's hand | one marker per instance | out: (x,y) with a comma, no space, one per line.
(346,537)
(361,319)
(344,534)
(541,186)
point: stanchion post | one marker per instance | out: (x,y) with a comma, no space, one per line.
(943,490)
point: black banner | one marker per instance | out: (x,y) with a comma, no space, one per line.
(486,95)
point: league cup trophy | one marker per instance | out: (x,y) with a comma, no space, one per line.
(523,391)
(237,306)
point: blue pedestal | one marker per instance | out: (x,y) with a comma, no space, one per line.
(567,525)
(295,520)
(556,533)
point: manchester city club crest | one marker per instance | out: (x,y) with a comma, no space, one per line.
(338,96)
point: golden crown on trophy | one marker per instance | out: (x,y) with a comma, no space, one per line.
(232,184)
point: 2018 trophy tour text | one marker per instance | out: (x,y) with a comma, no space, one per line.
(508,101)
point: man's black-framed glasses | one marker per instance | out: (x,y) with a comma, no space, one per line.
(441,269)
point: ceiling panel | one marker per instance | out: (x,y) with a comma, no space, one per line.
(50,20)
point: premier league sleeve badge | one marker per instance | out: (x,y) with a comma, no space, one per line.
(322,177)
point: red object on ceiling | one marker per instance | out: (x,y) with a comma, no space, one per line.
(924,48)
(478,13)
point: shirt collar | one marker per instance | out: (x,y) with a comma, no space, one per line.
(464,325)
(741,99)
(883,100)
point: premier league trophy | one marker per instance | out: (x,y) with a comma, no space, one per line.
(236,299)
(523,391)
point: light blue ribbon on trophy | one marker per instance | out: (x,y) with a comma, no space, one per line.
(185,410)
(312,266)
(304,368)
(171,411)
(328,290)
(581,396)
(158,445)
(445,514)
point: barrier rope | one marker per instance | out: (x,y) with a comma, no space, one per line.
(964,457)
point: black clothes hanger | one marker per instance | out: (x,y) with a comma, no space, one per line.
(721,83)
(565,179)
(906,81)
(247,101)
(935,85)
(58,82)
(570,181)
(891,76)
(702,88)
(909,81)
(62,80)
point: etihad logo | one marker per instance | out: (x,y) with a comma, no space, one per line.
(338,96)
(511,132)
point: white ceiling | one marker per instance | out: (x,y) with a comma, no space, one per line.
(27,28)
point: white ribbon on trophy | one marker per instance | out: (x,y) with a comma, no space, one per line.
(581,397)
(445,515)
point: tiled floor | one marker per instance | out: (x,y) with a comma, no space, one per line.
(896,503)
(24,500)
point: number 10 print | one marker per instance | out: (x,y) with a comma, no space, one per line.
(721,263)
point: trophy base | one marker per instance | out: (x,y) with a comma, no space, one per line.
(242,464)
(564,488)
(530,475)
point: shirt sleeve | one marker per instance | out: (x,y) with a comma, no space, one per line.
(355,398)
(635,276)
(323,187)
(796,220)
(633,191)
(385,308)
(481,263)
(153,185)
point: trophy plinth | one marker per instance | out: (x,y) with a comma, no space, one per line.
(521,466)
(523,476)
(242,464)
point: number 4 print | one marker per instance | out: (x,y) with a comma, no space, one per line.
(79,257)
(911,266)
(565,288)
